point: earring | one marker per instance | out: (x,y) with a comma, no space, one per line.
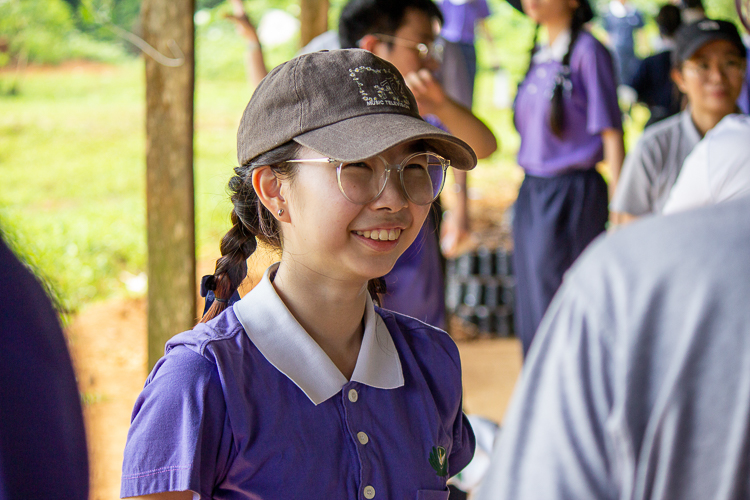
(280,212)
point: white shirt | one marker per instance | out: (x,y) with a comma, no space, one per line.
(718,169)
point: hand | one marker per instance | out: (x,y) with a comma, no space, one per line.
(245,28)
(428,92)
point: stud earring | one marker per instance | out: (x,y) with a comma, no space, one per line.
(280,212)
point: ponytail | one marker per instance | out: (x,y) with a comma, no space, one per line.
(563,83)
(251,221)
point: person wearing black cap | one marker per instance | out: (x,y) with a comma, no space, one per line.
(708,67)
(304,388)
(568,117)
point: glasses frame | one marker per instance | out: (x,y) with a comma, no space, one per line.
(426,51)
(444,163)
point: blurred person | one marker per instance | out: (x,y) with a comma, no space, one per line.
(568,117)
(620,22)
(653,81)
(459,68)
(42,439)
(718,168)
(638,385)
(692,11)
(708,67)
(402,32)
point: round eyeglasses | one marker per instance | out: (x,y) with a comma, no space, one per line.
(422,177)
(430,50)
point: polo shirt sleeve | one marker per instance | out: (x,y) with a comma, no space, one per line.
(693,186)
(464,444)
(179,437)
(483,11)
(553,444)
(598,76)
(633,194)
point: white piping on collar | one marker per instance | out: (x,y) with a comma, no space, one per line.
(554,52)
(290,349)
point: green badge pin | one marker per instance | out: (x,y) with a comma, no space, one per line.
(439,460)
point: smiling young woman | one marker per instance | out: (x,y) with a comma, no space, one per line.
(304,388)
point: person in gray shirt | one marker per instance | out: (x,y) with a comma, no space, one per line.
(638,383)
(709,68)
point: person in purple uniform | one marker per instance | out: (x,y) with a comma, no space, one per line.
(567,115)
(402,32)
(42,439)
(304,388)
(459,67)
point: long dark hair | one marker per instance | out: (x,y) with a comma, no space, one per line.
(253,222)
(563,83)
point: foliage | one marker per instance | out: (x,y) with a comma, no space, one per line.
(44,31)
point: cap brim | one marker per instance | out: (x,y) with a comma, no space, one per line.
(369,135)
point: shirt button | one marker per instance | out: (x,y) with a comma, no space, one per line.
(541,72)
(532,88)
(369,492)
(353,396)
(363,437)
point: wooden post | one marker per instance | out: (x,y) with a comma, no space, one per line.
(169,173)
(313,19)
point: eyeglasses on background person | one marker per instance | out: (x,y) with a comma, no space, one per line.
(430,50)
(422,177)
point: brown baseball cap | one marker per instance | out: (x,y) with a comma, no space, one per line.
(345,104)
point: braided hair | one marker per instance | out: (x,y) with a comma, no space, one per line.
(563,84)
(253,222)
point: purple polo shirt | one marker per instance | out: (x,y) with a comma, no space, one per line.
(248,406)
(590,108)
(461,19)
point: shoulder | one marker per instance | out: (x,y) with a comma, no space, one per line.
(661,133)
(587,45)
(221,333)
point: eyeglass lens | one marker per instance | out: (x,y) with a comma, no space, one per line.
(421,177)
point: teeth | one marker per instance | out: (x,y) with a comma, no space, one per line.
(381,234)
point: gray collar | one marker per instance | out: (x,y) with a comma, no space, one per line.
(288,347)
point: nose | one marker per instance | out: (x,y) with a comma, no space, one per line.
(430,63)
(393,198)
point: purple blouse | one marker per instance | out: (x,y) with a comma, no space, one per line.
(248,406)
(590,108)
(461,19)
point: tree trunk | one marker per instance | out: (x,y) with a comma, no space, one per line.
(169,172)
(313,19)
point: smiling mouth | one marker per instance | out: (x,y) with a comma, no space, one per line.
(381,234)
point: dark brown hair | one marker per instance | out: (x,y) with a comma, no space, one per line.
(563,83)
(253,222)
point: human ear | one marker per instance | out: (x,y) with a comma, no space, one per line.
(678,79)
(372,44)
(269,189)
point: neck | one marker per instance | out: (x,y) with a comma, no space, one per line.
(557,26)
(331,311)
(706,120)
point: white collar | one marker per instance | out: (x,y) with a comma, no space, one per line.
(554,52)
(288,347)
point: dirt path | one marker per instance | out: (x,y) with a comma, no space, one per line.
(108,345)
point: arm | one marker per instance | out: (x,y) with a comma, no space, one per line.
(462,123)
(459,120)
(256,66)
(614,155)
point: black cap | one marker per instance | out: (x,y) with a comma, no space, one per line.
(583,10)
(346,104)
(690,38)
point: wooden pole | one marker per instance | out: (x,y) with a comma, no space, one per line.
(169,172)
(313,19)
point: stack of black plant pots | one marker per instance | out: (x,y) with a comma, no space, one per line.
(479,290)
